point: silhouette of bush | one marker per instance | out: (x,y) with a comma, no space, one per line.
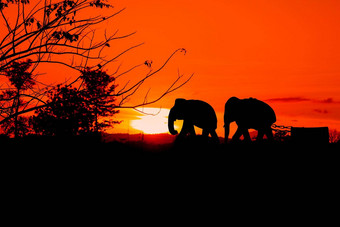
(281,136)
(334,136)
(65,114)
(75,111)
(22,127)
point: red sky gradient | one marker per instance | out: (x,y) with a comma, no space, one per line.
(286,53)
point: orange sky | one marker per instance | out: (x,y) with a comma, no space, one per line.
(284,52)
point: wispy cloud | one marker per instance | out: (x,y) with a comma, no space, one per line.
(321,111)
(288,99)
(328,100)
(303,99)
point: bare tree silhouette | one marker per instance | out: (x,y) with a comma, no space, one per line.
(60,32)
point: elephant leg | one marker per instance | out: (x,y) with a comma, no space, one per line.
(187,128)
(260,134)
(246,135)
(269,133)
(237,134)
(226,132)
(184,130)
(214,136)
(205,133)
(191,130)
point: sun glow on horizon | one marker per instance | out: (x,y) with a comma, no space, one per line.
(154,122)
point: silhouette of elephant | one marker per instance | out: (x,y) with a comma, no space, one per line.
(248,114)
(193,113)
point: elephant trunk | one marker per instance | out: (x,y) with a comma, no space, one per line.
(171,120)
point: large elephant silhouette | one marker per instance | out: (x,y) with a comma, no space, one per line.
(193,113)
(248,114)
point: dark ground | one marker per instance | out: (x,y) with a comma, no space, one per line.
(237,183)
(190,151)
(238,167)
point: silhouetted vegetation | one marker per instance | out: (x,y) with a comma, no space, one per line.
(75,111)
(334,136)
(21,79)
(62,34)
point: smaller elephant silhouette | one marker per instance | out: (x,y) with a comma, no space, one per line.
(193,113)
(248,114)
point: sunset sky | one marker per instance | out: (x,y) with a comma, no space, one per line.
(286,53)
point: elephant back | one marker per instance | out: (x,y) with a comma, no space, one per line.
(259,112)
(203,115)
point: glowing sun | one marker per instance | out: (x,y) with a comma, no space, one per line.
(154,123)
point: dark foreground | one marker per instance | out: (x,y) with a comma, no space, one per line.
(254,182)
(192,151)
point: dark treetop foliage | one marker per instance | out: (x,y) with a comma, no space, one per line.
(19,76)
(74,111)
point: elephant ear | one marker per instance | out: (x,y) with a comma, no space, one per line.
(180,102)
